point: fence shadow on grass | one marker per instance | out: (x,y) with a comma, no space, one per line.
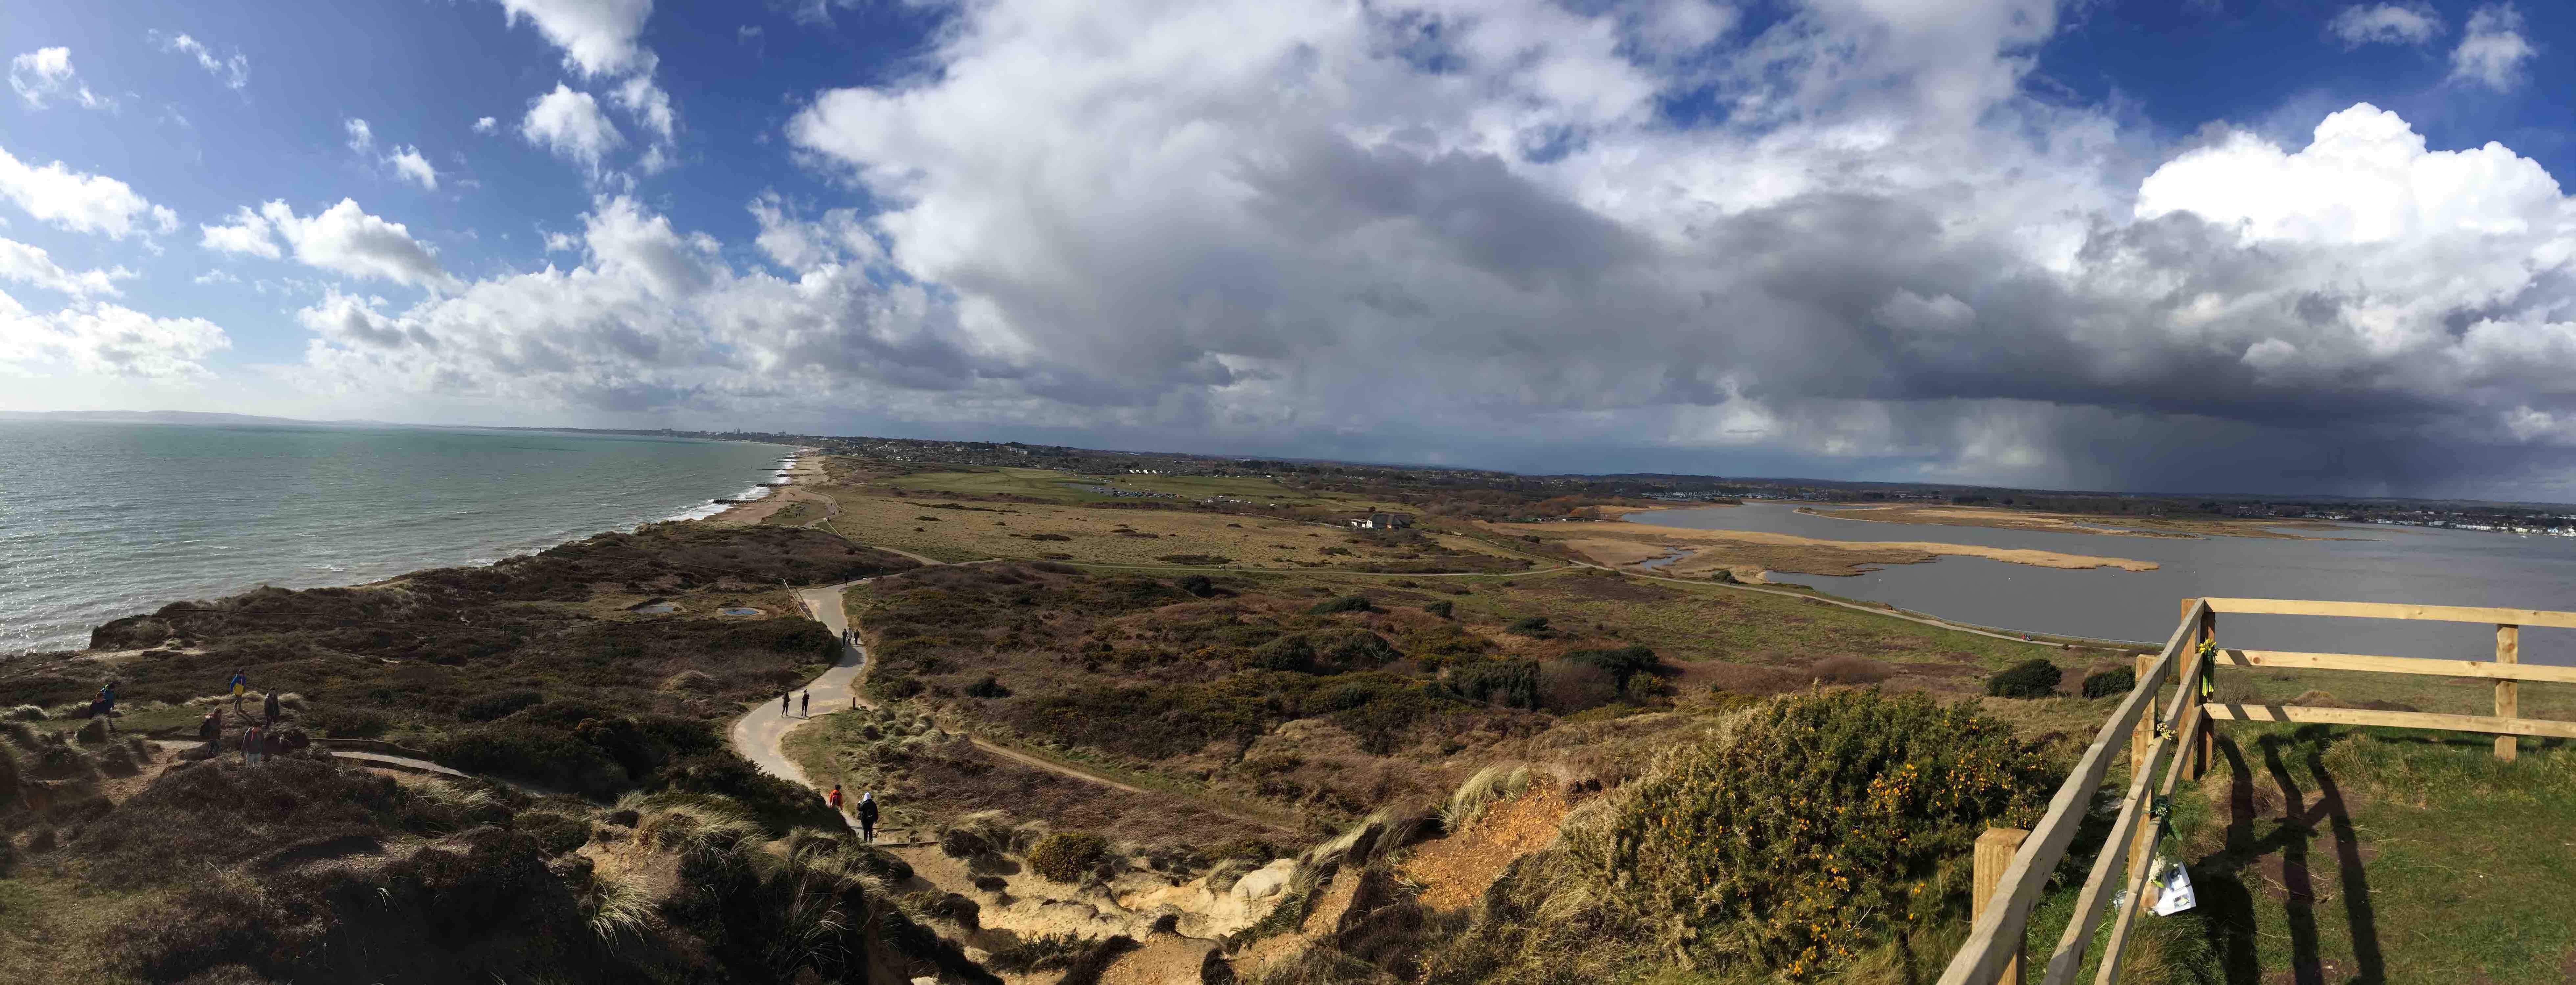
(2275,843)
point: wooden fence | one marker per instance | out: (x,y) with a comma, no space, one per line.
(2007,886)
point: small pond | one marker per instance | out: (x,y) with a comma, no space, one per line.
(654,608)
(738,611)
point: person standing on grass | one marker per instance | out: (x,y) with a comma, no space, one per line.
(211,729)
(250,745)
(270,706)
(867,816)
(834,798)
(241,683)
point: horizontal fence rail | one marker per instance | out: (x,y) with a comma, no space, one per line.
(2179,740)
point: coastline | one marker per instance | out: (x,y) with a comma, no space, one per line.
(781,471)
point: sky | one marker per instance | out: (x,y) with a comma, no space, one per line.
(2183,245)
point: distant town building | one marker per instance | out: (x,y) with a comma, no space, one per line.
(1382,521)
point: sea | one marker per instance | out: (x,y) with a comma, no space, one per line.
(100,520)
(2346,562)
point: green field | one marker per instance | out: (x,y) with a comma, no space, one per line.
(1052,485)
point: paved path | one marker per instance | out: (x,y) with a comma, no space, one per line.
(760,734)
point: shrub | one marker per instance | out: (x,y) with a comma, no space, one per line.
(2103,684)
(2034,678)
(1621,664)
(1068,856)
(1326,651)
(1198,585)
(1045,952)
(1512,683)
(1444,608)
(555,833)
(1344,603)
(1826,822)
(896,688)
(1528,626)
(1195,559)
(1566,688)
(989,687)
(26,713)
(500,704)
(349,723)
(1049,537)
(91,732)
(1850,670)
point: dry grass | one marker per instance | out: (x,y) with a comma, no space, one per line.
(1131,535)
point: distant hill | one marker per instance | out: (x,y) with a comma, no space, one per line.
(176,417)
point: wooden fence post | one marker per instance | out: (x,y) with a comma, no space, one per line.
(2142,744)
(1995,851)
(2195,760)
(2508,693)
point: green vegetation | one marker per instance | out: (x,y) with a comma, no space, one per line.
(1068,856)
(2105,683)
(2034,678)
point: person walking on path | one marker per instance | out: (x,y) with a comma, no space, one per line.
(270,706)
(834,798)
(104,709)
(241,683)
(250,746)
(805,705)
(211,729)
(782,702)
(867,816)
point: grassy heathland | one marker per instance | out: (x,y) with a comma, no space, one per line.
(2327,854)
(1001,523)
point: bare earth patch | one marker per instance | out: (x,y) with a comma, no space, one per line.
(1457,869)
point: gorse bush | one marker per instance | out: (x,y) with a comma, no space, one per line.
(1823,825)
(1528,626)
(1345,603)
(1444,608)
(2103,684)
(2034,678)
(1068,856)
(1621,664)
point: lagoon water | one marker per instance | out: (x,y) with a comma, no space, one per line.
(100,520)
(2371,564)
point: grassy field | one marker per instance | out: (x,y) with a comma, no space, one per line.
(1050,484)
(966,529)
(2324,854)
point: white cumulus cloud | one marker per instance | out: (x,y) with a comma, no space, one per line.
(2492,50)
(32,265)
(362,138)
(100,339)
(86,203)
(597,36)
(568,122)
(486,124)
(343,239)
(46,73)
(233,72)
(2385,23)
(410,166)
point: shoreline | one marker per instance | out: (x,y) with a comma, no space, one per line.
(779,471)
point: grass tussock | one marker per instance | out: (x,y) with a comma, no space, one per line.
(1487,787)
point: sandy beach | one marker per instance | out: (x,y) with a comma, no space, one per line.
(1741,550)
(806,470)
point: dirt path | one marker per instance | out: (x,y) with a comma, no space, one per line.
(761,734)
